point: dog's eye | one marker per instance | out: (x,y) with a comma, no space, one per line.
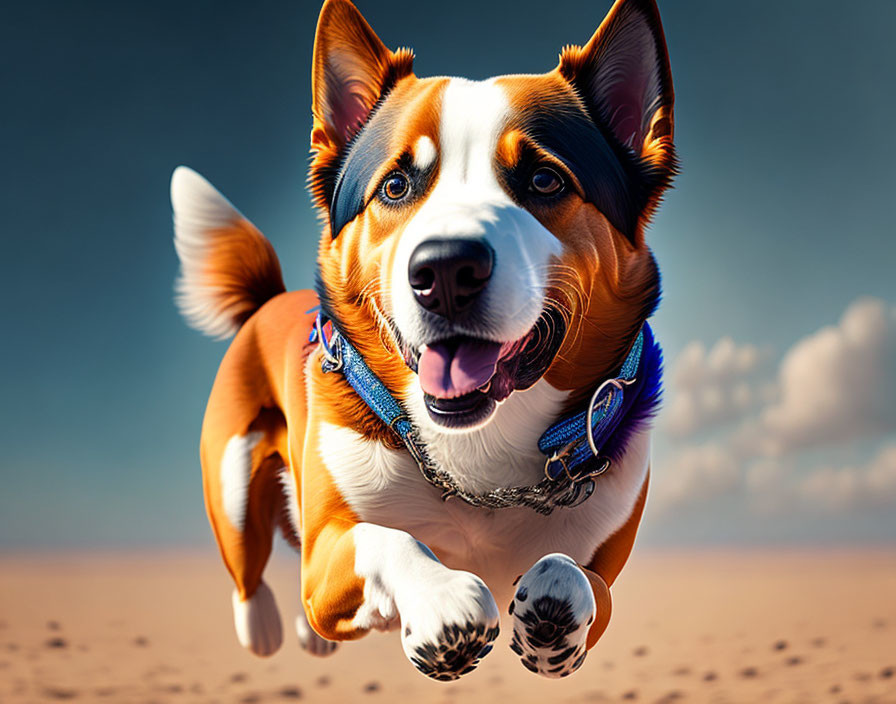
(546,181)
(396,186)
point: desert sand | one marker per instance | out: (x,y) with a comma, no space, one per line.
(690,627)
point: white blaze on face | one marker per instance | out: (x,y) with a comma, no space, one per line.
(424,153)
(468,202)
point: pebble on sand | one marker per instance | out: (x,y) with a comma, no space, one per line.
(60,693)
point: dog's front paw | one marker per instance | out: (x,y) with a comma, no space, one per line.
(552,610)
(448,623)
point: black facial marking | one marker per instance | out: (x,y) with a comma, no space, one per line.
(612,178)
(364,157)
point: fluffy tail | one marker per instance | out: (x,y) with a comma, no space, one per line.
(228,269)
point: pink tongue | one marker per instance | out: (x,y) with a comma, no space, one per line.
(448,370)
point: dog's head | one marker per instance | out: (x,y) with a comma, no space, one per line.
(488,234)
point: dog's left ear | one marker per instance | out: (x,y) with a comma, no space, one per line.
(352,70)
(623,76)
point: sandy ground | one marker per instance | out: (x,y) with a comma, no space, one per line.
(704,627)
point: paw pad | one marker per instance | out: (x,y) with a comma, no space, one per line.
(459,651)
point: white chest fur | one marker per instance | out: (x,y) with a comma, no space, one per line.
(385,487)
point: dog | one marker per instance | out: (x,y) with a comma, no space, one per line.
(458,416)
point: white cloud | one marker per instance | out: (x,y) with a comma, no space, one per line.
(837,384)
(712,386)
(695,473)
(842,489)
(834,389)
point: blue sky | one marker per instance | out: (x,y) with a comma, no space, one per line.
(778,224)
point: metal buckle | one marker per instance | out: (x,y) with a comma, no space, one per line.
(334,362)
(589,424)
(559,456)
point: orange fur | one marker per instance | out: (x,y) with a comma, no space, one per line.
(244,271)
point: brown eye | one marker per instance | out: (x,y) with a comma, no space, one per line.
(546,181)
(396,186)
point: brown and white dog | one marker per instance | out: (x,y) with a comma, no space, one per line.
(485,253)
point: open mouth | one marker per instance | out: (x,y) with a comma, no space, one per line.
(464,378)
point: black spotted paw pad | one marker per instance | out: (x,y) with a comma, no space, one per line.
(457,652)
(552,610)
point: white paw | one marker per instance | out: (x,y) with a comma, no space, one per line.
(257,621)
(311,641)
(552,611)
(448,622)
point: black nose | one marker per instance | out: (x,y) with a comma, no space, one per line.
(448,275)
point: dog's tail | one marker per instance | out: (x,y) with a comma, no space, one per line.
(228,269)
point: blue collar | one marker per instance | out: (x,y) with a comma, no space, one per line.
(573,446)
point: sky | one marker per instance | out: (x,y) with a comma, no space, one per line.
(776,245)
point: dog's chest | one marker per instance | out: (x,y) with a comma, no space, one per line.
(386,487)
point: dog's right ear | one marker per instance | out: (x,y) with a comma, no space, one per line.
(351,71)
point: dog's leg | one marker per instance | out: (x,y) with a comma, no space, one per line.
(242,506)
(309,640)
(359,576)
(364,576)
(561,609)
(553,609)
(290,525)
(242,465)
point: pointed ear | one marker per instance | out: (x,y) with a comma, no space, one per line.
(623,76)
(352,70)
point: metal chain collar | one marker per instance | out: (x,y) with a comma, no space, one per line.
(564,490)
